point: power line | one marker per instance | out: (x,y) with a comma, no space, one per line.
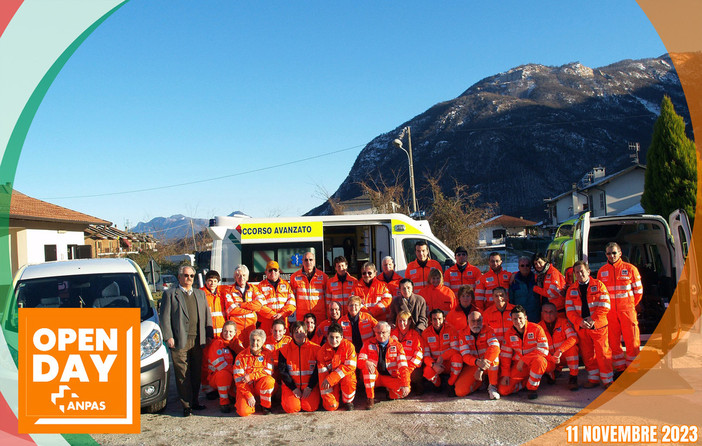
(260,169)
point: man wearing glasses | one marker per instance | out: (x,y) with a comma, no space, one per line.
(374,293)
(623,283)
(186,323)
(308,285)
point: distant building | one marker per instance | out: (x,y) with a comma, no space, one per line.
(108,241)
(616,194)
(362,205)
(41,232)
(495,230)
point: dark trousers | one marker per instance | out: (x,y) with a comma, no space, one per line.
(187,364)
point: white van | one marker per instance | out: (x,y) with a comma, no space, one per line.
(95,283)
(658,248)
(359,238)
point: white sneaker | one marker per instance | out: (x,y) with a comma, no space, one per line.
(493,394)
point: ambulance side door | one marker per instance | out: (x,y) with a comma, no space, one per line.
(686,275)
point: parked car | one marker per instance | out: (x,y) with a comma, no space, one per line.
(95,283)
(167,281)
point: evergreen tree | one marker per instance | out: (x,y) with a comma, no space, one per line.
(671,166)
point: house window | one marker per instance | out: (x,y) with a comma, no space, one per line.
(602,200)
(49,253)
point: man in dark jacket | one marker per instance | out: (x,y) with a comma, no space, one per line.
(186,323)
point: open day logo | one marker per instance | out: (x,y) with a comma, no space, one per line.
(79,370)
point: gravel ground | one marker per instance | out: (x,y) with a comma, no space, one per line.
(426,419)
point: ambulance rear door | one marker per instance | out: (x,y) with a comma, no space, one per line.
(686,274)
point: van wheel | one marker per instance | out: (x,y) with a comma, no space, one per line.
(158,406)
(155,407)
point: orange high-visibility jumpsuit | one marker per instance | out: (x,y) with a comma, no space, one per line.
(366,323)
(419,275)
(242,309)
(276,300)
(457,318)
(532,349)
(411,342)
(553,289)
(395,362)
(488,282)
(623,283)
(259,369)
(393,284)
(376,298)
(338,367)
(219,367)
(594,343)
(499,321)
(440,297)
(310,295)
(298,370)
(483,345)
(218,305)
(454,278)
(563,339)
(442,345)
(339,292)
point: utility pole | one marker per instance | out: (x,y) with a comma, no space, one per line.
(192,229)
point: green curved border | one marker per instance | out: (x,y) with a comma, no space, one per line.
(8,168)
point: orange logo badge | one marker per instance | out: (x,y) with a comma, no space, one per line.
(79,370)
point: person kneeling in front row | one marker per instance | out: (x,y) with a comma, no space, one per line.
(253,368)
(383,363)
(336,362)
(297,364)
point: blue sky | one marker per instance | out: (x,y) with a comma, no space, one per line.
(171,92)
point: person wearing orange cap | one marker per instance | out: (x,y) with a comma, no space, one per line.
(278,298)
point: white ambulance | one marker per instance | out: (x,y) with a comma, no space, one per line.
(359,238)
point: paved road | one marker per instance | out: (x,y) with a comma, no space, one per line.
(429,419)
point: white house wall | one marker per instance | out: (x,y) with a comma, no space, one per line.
(37,238)
(625,191)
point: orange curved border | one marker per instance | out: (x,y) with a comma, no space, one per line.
(663,396)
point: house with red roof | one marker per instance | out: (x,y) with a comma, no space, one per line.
(495,230)
(41,232)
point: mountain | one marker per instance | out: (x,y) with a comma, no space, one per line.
(528,133)
(173,227)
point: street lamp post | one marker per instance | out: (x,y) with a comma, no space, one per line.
(398,143)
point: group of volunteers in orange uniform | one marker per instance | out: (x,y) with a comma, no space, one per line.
(312,339)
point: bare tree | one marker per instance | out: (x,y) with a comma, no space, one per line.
(456,219)
(386,196)
(334,203)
